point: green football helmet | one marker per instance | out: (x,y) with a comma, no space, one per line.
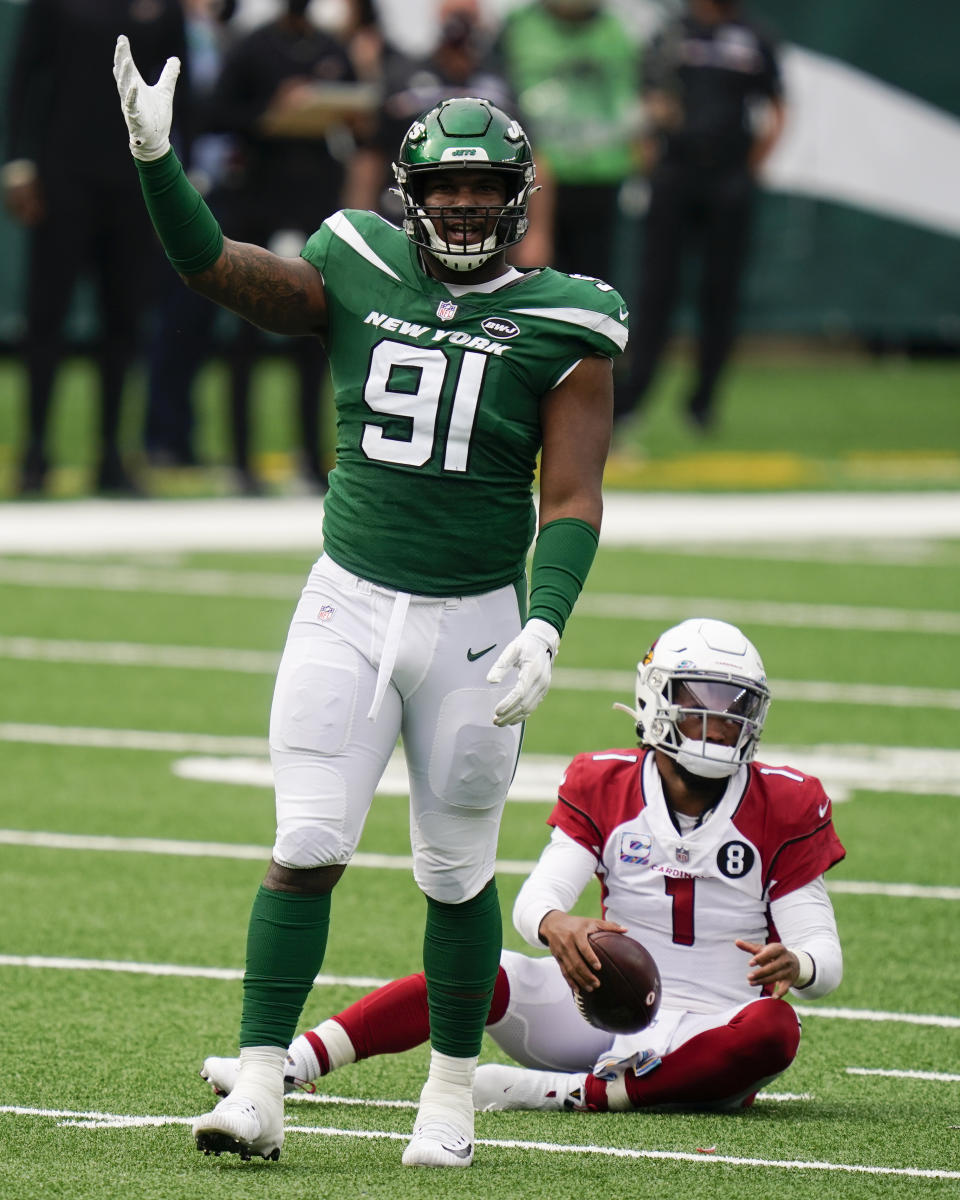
(472,134)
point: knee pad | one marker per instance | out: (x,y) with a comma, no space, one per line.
(472,762)
(313,706)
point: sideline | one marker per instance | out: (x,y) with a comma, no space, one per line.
(97,526)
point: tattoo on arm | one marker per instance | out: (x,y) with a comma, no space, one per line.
(277,294)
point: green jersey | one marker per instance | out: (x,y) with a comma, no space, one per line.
(437,397)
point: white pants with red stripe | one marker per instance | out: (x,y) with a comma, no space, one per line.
(542,1027)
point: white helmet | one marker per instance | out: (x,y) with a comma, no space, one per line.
(701,668)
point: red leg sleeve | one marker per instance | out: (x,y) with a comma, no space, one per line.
(721,1065)
(395,1017)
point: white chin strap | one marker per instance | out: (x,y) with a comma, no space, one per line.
(708,759)
(474,254)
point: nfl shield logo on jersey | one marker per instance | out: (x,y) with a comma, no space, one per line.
(446,310)
(683,854)
(635,848)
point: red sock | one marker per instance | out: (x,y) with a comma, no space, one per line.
(719,1065)
(395,1017)
(320,1050)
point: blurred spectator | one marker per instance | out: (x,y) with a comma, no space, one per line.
(575,71)
(460,64)
(364,39)
(70,183)
(287,178)
(181,336)
(715,109)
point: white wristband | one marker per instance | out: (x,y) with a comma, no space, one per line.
(807,968)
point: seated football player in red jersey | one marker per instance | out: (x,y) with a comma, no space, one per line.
(712,860)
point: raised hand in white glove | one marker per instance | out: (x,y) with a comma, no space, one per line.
(532,652)
(148,111)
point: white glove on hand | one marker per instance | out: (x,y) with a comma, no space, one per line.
(148,111)
(532,652)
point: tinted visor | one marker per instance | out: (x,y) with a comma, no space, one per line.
(737,699)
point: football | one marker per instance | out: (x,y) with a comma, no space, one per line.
(629,993)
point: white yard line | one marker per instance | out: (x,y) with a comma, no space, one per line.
(664,519)
(138,845)
(896,891)
(140,654)
(932,1076)
(706,1157)
(43,962)
(574,679)
(768,612)
(360,1102)
(162,581)
(242,761)
(255,585)
(97,1120)
(870,1014)
(578,679)
(103,843)
(130,739)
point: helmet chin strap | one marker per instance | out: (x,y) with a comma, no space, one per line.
(721,762)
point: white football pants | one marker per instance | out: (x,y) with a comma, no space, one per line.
(364,665)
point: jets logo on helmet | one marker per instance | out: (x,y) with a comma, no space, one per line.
(698,670)
(465,133)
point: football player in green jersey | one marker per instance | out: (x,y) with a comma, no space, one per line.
(452,371)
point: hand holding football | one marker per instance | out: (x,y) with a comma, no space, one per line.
(628,997)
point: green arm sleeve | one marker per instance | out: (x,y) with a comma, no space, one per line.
(187,229)
(562,559)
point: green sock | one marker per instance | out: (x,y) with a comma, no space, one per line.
(461,956)
(286,942)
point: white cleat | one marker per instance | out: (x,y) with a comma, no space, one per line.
(240,1125)
(438,1143)
(443,1130)
(221,1074)
(497,1087)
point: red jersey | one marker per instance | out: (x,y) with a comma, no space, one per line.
(770,833)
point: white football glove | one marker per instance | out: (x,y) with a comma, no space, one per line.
(148,111)
(532,652)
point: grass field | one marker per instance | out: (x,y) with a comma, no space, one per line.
(136,816)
